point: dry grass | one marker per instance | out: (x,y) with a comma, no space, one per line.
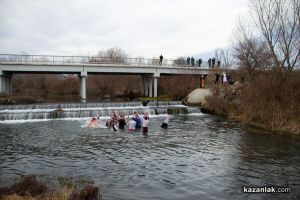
(266,100)
(30,188)
(177,87)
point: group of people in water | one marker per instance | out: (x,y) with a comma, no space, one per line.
(133,123)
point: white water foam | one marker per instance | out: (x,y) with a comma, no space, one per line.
(91,108)
(86,119)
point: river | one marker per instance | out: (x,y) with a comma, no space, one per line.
(199,157)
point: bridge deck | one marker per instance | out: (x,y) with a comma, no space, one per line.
(149,69)
(76,64)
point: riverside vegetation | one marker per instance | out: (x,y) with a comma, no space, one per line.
(33,187)
(266,50)
(267,55)
(263,101)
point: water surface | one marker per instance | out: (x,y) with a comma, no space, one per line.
(198,157)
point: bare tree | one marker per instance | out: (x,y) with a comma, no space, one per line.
(112,55)
(278,23)
(180,61)
(250,50)
(225,57)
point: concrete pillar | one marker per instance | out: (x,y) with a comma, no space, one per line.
(150,87)
(5,83)
(155,86)
(82,89)
(2,83)
(155,77)
(145,87)
(8,85)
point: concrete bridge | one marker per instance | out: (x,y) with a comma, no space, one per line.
(149,69)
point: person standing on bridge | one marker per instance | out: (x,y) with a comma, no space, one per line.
(209,62)
(213,61)
(161,59)
(199,62)
(188,61)
(193,61)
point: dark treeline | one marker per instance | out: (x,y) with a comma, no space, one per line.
(46,88)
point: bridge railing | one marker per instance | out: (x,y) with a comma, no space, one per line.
(82,60)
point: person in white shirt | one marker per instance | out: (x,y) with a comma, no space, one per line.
(146,123)
(224,78)
(166,120)
(131,125)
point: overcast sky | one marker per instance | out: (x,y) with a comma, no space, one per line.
(145,28)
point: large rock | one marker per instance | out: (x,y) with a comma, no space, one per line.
(197,97)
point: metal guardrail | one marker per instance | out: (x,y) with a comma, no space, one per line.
(82,60)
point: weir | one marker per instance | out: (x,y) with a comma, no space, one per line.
(88,110)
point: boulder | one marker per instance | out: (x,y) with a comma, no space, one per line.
(197,97)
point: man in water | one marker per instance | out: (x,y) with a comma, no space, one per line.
(112,122)
(93,123)
(145,123)
(166,120)
(131,125)
(137,120)
(122,121)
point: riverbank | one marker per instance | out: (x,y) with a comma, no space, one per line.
(254,105)
(32,187)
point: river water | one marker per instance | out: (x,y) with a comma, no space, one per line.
(199,157)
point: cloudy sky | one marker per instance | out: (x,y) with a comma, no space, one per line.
(145,28)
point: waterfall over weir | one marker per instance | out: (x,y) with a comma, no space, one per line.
(78,110)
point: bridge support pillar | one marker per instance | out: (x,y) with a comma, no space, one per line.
(155,86)
(150,83)
(82,91)
(155,77)
(5,83)
(145,86)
